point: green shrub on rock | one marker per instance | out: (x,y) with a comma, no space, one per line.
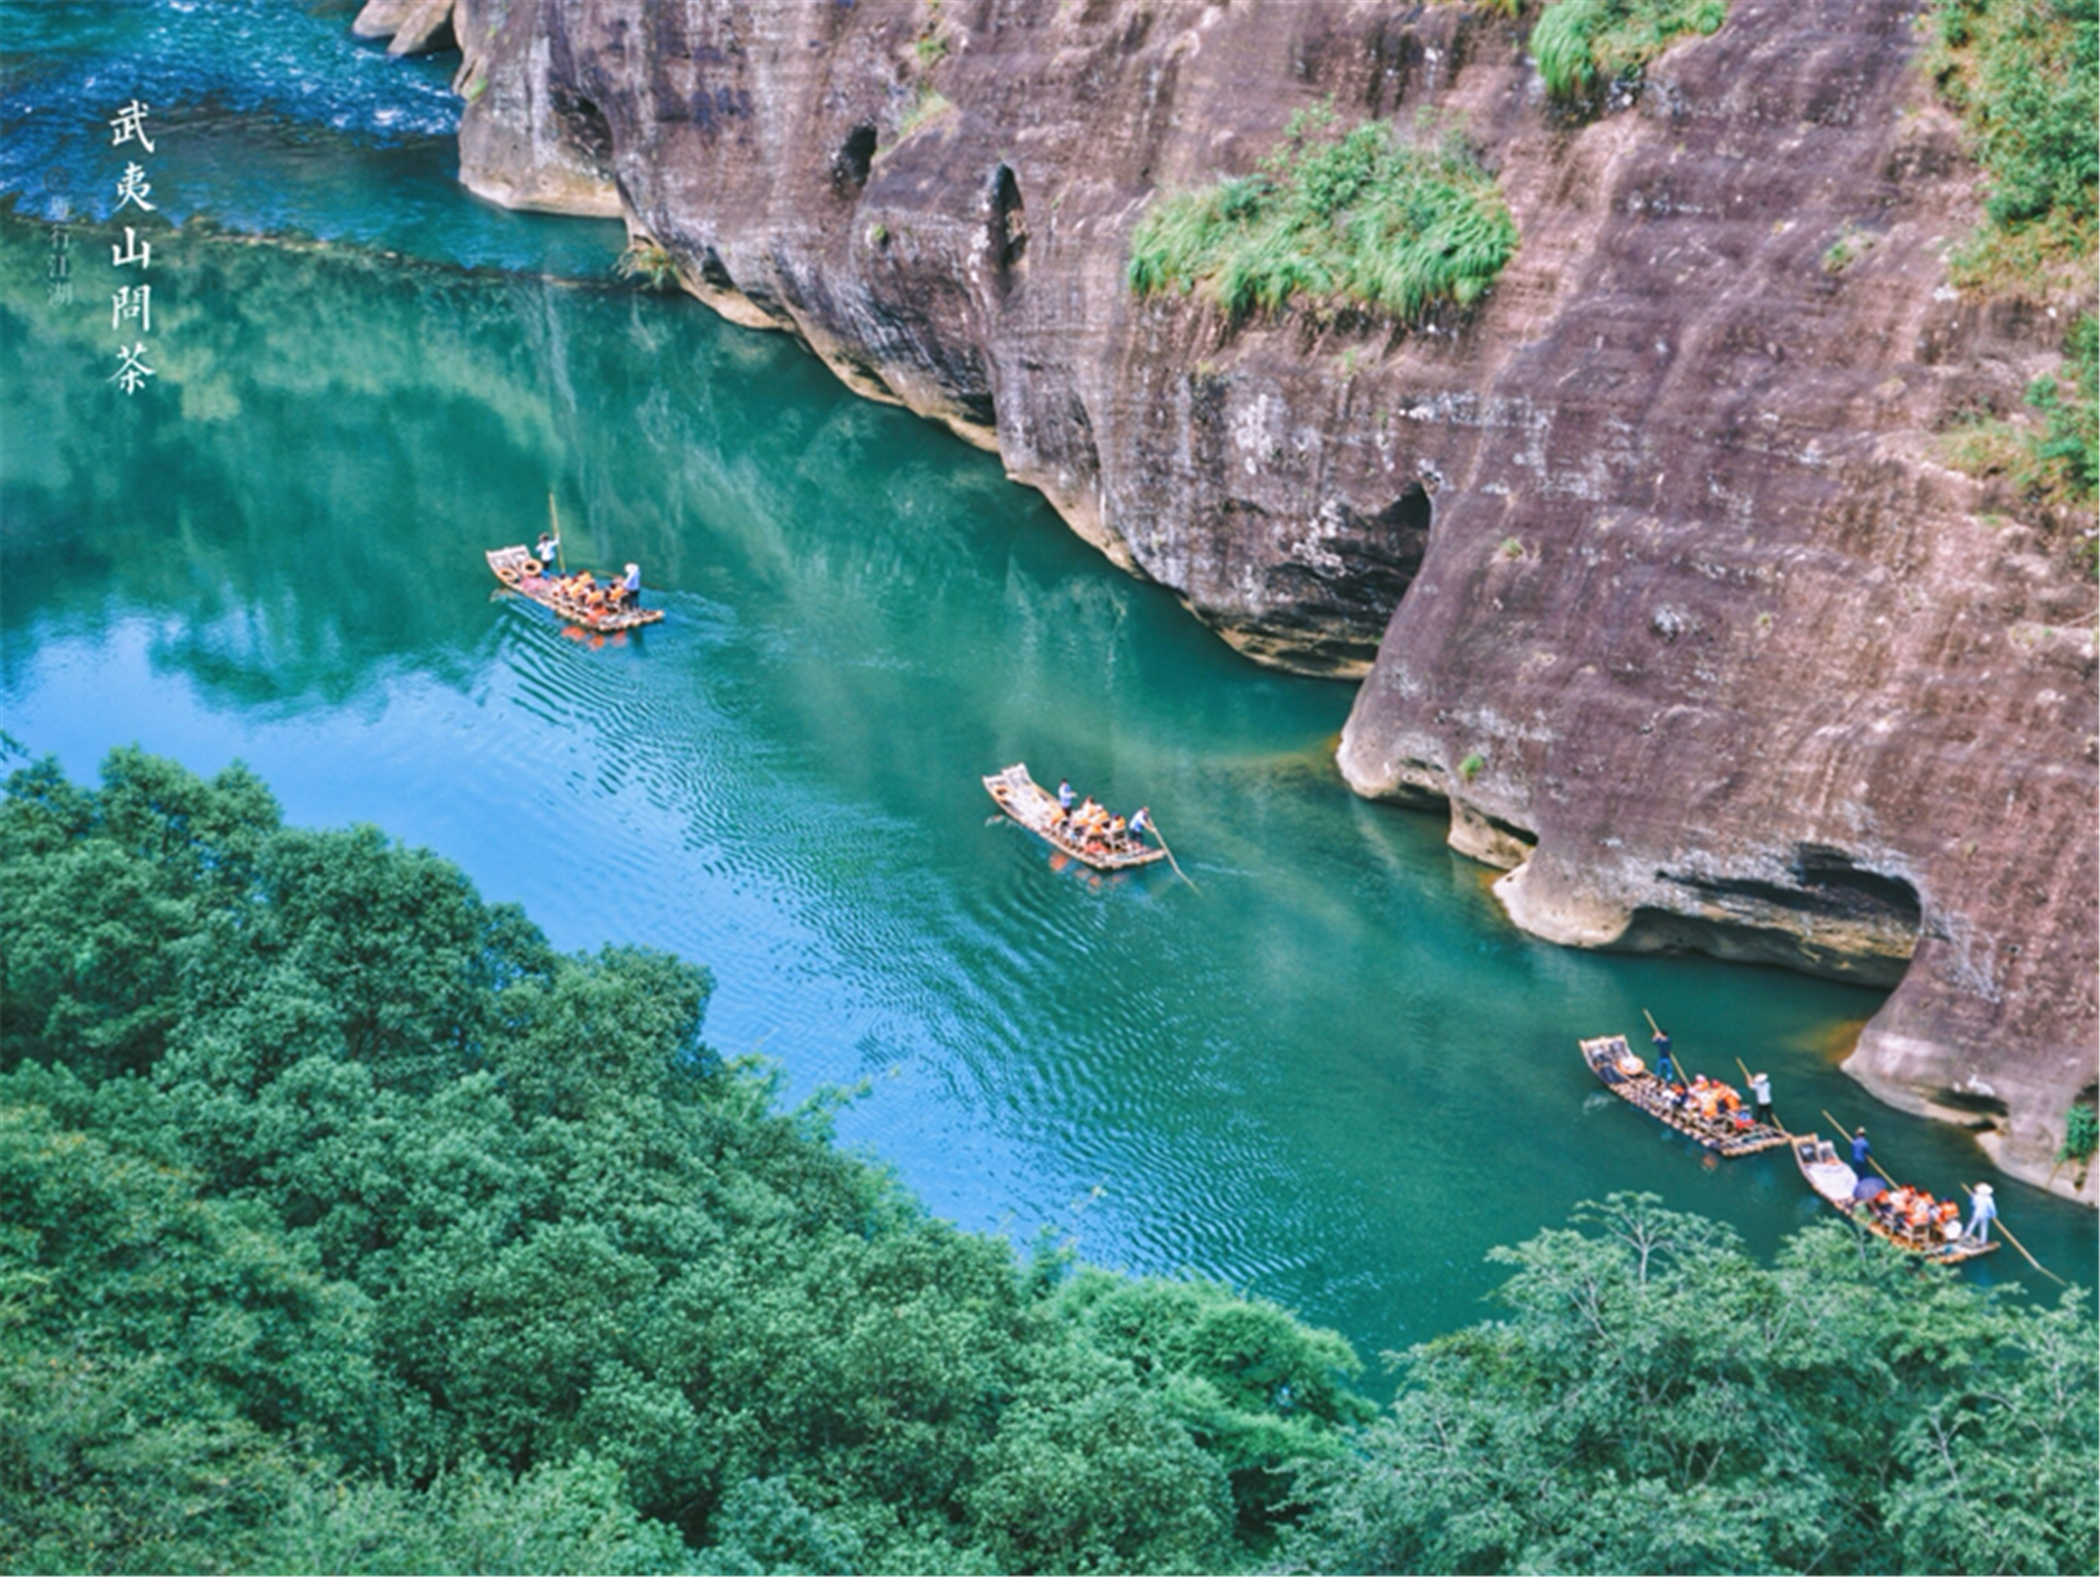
(2068,449)
(2081,1134)
(2024,75)
(1360,219)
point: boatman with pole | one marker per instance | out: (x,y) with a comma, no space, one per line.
(1761,1092)
(550,548)
(1664,1069)
(1982,1213)
(1860,1147)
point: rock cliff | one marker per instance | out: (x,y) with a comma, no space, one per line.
(1646,563)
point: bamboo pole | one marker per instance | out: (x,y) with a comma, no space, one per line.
(1178,871)
(554,530)
(2016,1243)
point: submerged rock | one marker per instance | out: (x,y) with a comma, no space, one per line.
(1647,560)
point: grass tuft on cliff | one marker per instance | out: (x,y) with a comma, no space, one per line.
(1360,218)
(2024,75)
(1584,47)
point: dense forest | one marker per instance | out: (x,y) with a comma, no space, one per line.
(347,1226)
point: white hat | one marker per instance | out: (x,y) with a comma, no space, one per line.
(1984,1190)
(632,568)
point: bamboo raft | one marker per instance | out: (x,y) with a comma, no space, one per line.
(1626,1076)
(520,570)
(1832,1178)
(1035,808)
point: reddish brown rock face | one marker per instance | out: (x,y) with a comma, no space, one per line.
(1647,561)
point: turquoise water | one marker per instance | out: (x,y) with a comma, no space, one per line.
(1328,1072)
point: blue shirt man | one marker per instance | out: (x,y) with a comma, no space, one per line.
(1859,1150)
(1665,1070)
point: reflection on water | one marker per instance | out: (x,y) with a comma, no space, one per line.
(1330,1073)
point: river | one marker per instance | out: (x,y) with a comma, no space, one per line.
(1325,1070)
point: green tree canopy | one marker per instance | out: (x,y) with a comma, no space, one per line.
(1657,1401)
(410,1228)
